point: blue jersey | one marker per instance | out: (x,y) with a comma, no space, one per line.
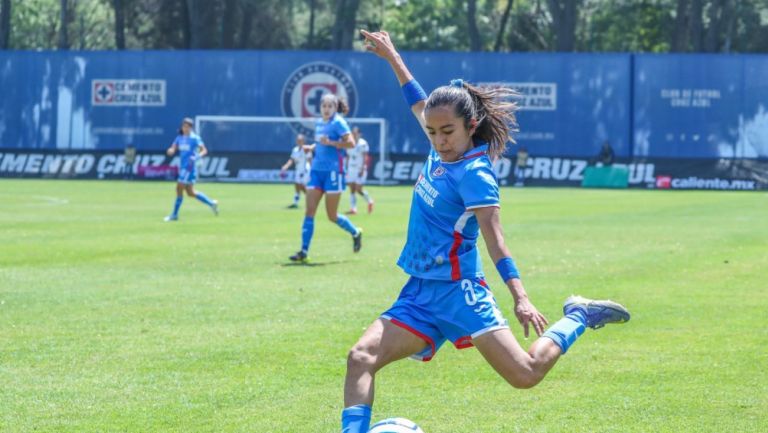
(443,229)
(329,158)
(188,146)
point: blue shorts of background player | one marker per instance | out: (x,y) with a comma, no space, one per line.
(331,182)
(436,311)
(187,177)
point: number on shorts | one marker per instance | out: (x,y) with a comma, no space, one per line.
(470,297)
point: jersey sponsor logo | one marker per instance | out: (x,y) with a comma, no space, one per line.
(305,87)
(122,93)
(439,171)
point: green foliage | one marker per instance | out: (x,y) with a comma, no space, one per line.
(601,25)
(637,26)
(114,321)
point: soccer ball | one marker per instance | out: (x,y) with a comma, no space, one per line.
(395,425)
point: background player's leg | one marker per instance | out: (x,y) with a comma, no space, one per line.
(381,344)
(520,368)
(352,198)
(296,195)
(177,204)
(332,208)
(308,227)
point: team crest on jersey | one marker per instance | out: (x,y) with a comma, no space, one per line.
(439,171)
(307,84)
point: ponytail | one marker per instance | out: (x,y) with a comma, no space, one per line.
(489,107)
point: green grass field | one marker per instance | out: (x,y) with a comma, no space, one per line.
(113,321)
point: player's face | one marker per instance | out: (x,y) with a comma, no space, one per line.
(186,128)
(450,138)
(300,140)
(327,108)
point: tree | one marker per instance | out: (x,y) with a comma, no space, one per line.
(503,25)
(202,23)
(475,42)
(63,25)
(5,24)
(228,28)
(564,17)
(680,33)
(119,24)
(344,28)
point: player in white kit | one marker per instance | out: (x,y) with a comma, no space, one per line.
(357,171)
(301,158)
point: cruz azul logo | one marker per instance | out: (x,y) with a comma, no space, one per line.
(122,93)
(307,84)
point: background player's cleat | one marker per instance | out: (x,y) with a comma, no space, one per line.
(300,256)
(170,218)
(293,206)
(599,313)
(215,207)
(357,241)
(352,211)
(370,207)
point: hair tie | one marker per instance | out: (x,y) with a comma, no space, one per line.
(457,83)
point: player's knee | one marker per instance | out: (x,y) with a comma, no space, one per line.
(360,358)
(525,380)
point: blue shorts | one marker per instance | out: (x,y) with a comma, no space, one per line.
(187,176)
(332,182)
(437,310)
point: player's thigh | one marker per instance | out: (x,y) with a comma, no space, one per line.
(190,188)
(313,200)
(383,343)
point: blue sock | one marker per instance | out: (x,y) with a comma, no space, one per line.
(177,205)
(296,198)
(307,230)
(356,419)
(566,330)
(203,198)
(346,224)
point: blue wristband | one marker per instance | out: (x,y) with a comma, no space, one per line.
(413,92)
(507,269)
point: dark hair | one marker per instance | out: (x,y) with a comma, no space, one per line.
(490,107)
(341,104)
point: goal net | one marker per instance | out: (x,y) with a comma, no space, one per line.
(260,134)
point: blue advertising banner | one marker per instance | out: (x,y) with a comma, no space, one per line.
(701,106)
(571,103)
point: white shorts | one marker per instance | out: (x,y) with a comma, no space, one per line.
(353,176)
(301,177)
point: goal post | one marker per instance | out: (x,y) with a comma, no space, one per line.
(288,126)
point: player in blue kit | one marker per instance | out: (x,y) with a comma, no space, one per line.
(190,148)
(326,177)
(446,297)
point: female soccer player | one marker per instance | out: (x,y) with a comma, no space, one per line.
(191,148)
(332,136)
(301,158)
(446,297)
(357,171)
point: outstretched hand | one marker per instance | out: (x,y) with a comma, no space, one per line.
(379,43)
(528,315)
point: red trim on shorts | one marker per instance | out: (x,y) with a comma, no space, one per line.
(415,332)
(464,342)
(454,257)
(482,282)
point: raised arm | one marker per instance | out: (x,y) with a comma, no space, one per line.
(380,44)
(490,226)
